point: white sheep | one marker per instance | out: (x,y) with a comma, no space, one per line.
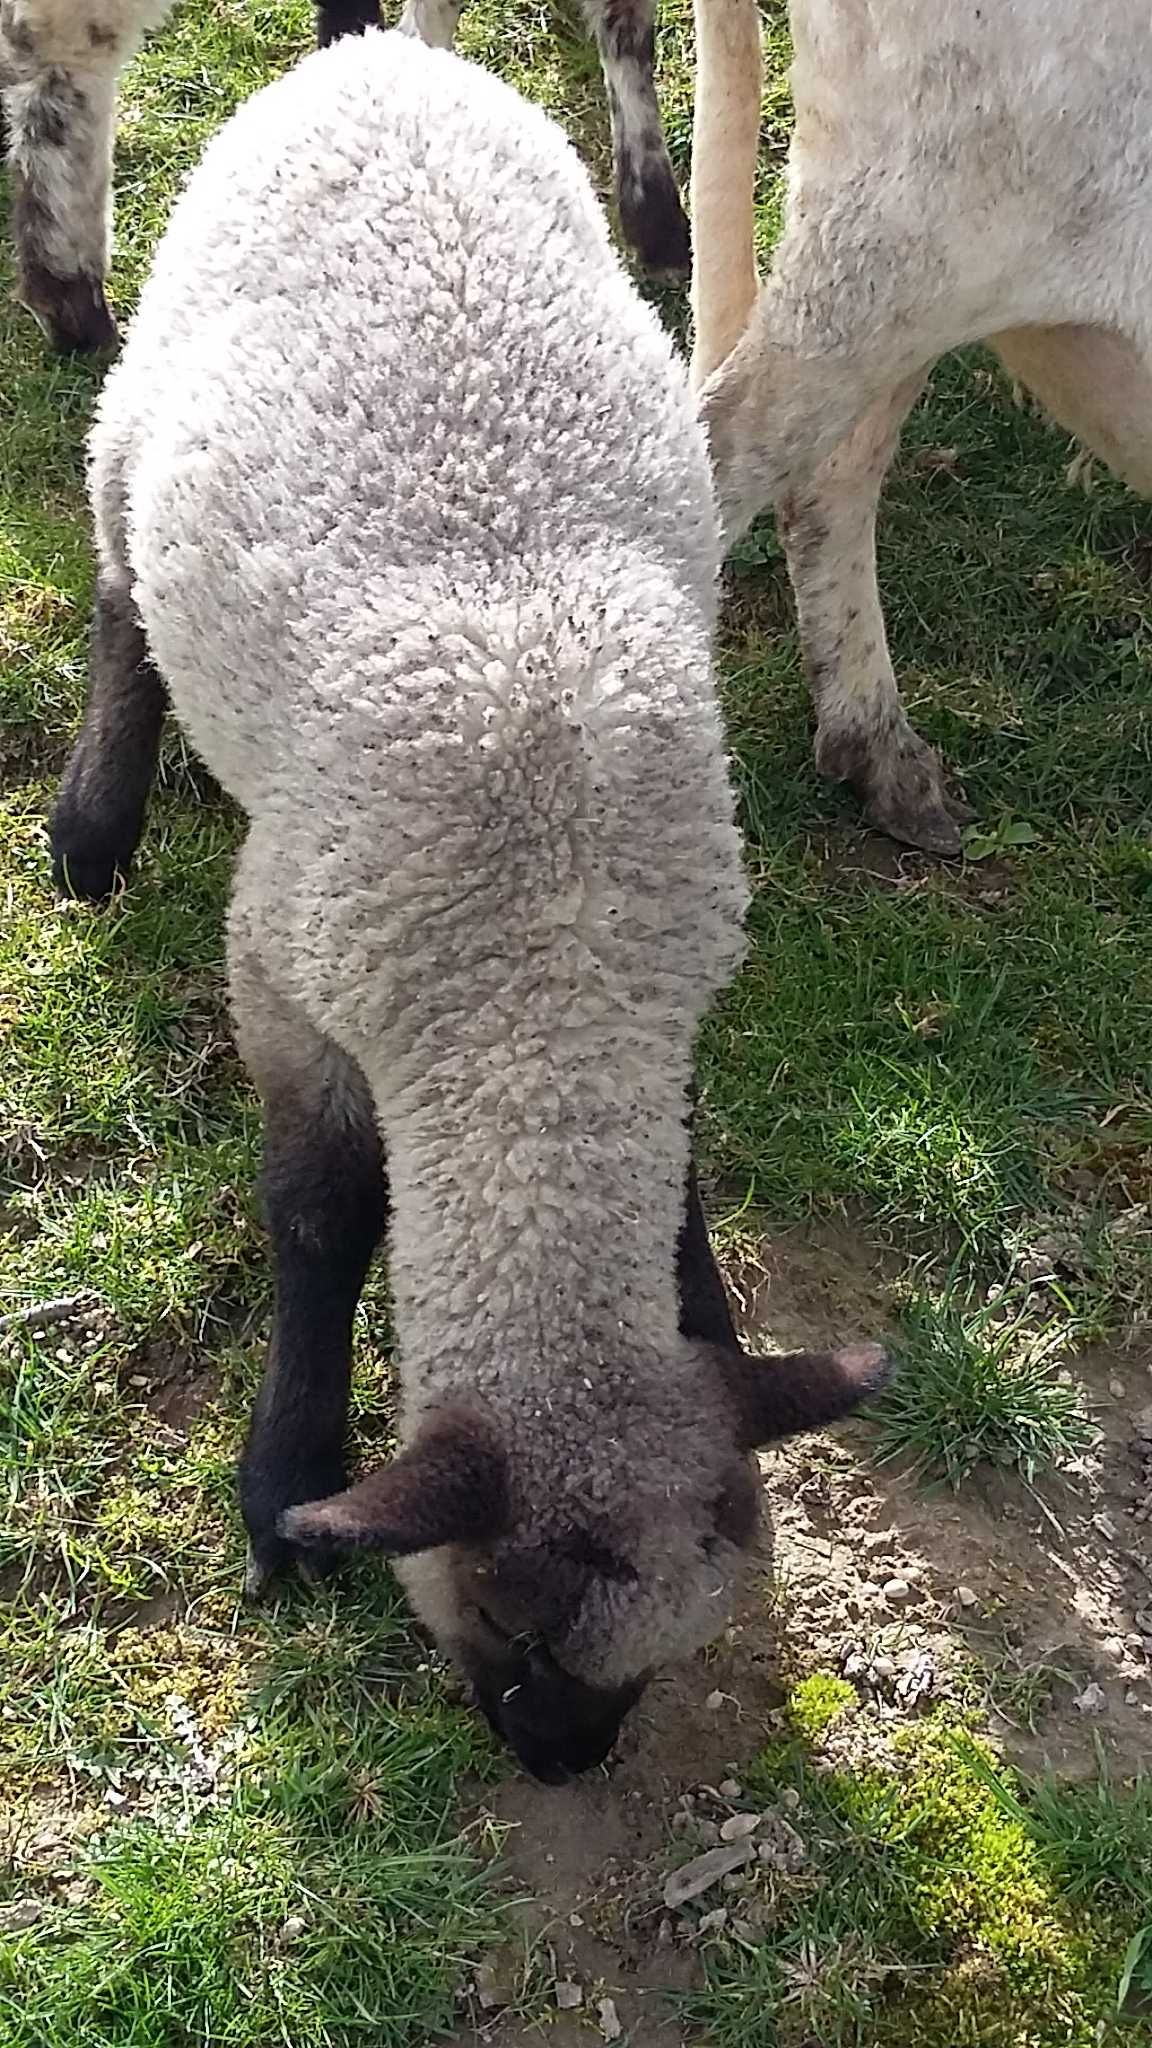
(60,61)
(956,174)
(401,486)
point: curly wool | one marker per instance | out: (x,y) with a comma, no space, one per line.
(420,528)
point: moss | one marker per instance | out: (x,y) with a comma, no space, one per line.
(817,1701)
(930,1910)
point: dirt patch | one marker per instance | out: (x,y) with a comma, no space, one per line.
(1035,1606)
(871,861)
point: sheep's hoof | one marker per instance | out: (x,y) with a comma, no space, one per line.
(72,311)
(655,225)
(268,1562)
(260,1574)
(90,859)
(900,782)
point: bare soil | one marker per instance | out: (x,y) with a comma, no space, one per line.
(1051,1635)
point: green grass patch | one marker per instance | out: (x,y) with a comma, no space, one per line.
(976,1384)
(942,1900)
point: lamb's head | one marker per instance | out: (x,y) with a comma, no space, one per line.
(559,1584)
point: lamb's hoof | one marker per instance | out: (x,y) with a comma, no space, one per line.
(269,1562)
(72,311)
(900,782)
(89,860)
(655,225)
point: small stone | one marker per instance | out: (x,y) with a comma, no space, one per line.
(745,1931)
(293,1927)
(1092,1700)
(569,1995)
(609,2019)
(883,1667)
(21,1913)
(713,1922)
(708,1832)
(1117,1389)
(896,1589)
(738,1825)
(1114,1646)
(493,1987)
(789,1799)
(729,1788)
(665,1933)
(734,1882)
(704,1871)
(967,1596)
(1131,1697)
(715,1701)
(575,1919)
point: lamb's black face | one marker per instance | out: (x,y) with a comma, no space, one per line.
(554,1724)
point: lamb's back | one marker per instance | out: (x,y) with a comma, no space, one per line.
(386,337)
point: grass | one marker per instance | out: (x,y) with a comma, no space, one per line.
(243,1828)
(938,1901)
(975,1384)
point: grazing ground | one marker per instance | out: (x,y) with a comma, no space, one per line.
(926,1109)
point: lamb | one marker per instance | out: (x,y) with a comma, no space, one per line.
(399,487)
(59,65)
(956,174)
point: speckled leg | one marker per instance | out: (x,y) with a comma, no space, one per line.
(651,214)
(827,521)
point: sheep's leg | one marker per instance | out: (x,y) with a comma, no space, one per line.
(325,1203)
(60,123)
(651,214)
(99,812)
(827,522)
(814,436)
(431,21)
(1097,384)
(336,18)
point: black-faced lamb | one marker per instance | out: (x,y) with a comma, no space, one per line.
(59,65)
(400,486)
(956,174)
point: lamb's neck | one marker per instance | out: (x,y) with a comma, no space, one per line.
(547,1234)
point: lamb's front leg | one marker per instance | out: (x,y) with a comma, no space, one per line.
(60,121)
(336,18)
(651,214)
(325,1202)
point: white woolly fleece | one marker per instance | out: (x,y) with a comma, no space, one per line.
(420,526)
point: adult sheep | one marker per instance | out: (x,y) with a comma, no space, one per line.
(401,485)
(60,61)
(957,174)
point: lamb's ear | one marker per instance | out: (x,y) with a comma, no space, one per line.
(449,1486)
(801,1390)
